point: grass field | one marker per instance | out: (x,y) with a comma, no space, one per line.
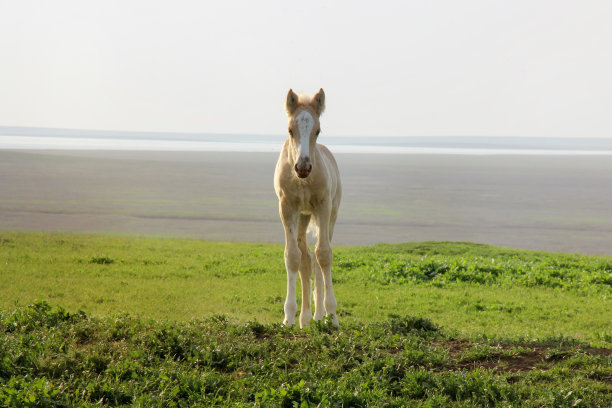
(177,322)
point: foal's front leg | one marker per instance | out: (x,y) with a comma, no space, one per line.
(324,256)
(289,216)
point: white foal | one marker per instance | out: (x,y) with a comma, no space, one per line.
(307,183)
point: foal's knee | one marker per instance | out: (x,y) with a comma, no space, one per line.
(324,256)
(292,258)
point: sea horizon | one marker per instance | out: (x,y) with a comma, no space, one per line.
(31,138)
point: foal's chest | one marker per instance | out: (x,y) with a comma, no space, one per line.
(304,197)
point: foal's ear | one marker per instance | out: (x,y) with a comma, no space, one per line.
(292,102)
(318,102)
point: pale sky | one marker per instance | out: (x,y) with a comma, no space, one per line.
(406,68)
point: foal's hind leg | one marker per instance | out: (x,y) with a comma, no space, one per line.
(305,270)
(318,291)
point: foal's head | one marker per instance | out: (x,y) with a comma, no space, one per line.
(304,128)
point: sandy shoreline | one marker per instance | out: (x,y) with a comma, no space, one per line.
(533,202)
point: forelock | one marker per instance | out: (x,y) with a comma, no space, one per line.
(304,99)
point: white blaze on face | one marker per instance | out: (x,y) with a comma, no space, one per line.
(305,123)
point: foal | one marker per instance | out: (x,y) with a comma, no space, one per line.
(307,183)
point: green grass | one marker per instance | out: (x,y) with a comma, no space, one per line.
(177,322)
(472,289)
(50,357)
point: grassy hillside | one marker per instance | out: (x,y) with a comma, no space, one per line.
(188,323)
(49,357)
(472,289)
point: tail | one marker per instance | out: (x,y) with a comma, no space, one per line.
(312,232)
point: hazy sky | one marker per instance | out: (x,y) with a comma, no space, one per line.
(524,68)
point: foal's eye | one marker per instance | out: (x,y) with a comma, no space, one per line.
(291,132)
(318,131)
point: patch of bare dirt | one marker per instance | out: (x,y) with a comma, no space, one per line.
(526,358)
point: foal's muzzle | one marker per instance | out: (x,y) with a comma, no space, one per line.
(303,168)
